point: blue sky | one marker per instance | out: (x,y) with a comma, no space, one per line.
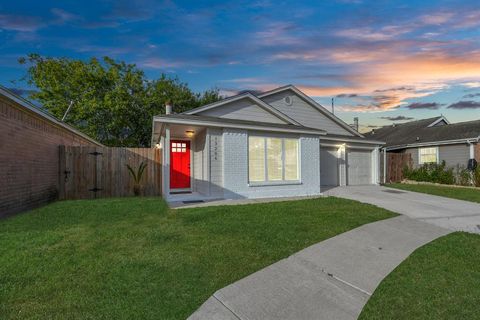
(381,60)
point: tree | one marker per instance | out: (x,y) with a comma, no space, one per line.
(113,102)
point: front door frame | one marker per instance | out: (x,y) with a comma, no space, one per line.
(191,165)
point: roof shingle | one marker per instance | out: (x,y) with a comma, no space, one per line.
(418,132)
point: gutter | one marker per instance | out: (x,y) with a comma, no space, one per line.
(432,143)
(354,140)
(237,126)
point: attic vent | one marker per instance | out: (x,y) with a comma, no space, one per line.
(288,100)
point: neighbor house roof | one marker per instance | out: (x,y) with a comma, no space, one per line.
(420,132)
(24,103)
(235,123)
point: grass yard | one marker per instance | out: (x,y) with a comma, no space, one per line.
(133,258)
(440,280)
(467,194)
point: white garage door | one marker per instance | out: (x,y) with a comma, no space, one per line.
(328,166)
(359,167)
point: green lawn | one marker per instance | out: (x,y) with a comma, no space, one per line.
(467,194)
(135,259)
(440,280)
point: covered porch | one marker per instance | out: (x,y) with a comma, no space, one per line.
(188,151)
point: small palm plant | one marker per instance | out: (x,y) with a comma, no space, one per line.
(137,177)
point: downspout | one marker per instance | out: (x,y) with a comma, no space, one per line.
(471,159)
(472,151)
(472,146)
(384,165)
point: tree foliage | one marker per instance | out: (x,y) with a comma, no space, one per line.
(113,102)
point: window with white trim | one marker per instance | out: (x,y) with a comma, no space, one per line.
(272,159)
(428,155)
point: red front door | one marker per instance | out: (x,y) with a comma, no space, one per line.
(179,164)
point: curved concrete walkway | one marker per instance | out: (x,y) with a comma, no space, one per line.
(329,280)
(444,212)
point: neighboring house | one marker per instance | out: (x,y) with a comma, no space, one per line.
(29,153)
(275,144)
(433,140)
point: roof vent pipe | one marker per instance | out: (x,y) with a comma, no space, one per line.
(168,107)
(355,123)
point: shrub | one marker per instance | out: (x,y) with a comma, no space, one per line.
(463,176)
(476,176)
(431,172)
(137,177)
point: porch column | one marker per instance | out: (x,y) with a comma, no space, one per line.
(375,166)
(166,166)
(384,165)
(342,156)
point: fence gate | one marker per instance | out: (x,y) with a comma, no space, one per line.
(396,162)
(100,172)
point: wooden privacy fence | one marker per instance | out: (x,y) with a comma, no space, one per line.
(396,162)
(101,172)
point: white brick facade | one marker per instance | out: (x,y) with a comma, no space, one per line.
(235,164)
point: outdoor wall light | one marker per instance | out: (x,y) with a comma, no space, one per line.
(189,133)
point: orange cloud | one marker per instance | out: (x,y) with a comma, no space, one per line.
(424,73)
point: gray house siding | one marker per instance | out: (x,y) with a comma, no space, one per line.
(304,113)
(236,184)
(455,154)
(414,153)
(244,109)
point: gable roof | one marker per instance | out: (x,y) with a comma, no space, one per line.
(420,132)
(317,106)
(438,120)
(245,95)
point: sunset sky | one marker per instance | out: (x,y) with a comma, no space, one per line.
(381,60)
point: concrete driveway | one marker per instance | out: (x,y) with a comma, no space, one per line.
(448,213)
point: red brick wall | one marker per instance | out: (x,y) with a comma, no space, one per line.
(477,151)
(29,161)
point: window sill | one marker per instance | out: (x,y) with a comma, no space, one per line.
(433,162)
(273,183)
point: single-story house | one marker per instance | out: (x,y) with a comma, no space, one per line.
(433,140)
(274,144)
